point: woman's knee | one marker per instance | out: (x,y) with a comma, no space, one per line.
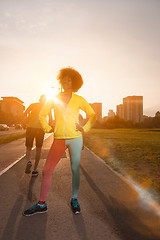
(75,168)
(46,172)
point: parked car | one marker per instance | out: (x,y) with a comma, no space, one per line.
(4,127)
(18,126)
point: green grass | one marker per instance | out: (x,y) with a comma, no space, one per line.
(11,138)
(134,153)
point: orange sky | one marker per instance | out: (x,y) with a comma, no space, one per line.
(113,44)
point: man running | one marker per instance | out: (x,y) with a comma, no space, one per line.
(34,131)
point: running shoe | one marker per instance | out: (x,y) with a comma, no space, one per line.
(75,206)
(34,173)
(28,167)
(37,208)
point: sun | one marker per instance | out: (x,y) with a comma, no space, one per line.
(51,92)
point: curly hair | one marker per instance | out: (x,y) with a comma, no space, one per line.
(75,76)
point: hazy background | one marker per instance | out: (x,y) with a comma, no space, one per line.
(114,44)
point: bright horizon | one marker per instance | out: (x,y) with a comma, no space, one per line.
(113,44)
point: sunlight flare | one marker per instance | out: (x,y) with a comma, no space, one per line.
(51,92)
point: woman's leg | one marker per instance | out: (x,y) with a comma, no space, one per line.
(75,147)
(57,149)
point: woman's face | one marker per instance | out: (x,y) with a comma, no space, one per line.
(66,83)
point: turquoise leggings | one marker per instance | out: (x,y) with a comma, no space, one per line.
(56,151)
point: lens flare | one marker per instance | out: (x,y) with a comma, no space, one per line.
(52,92)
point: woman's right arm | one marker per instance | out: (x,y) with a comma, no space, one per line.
(43,114)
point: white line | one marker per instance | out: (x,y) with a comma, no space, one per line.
(19,159)
(11,165)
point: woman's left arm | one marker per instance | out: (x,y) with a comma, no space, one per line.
(79,128)
(85,106)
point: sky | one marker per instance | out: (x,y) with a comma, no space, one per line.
(114,44)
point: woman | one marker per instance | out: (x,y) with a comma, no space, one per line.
(67,134)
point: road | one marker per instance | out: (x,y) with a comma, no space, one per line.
(112,208)
(11,131)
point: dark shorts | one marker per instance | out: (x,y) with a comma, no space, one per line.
(34,133)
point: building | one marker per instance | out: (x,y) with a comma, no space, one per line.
(12,105)
(131,109)
(97,107)
(111,113)
(120,111)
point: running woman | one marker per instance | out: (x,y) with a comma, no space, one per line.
(68,133)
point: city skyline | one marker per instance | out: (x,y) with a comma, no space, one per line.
(130,109)
(113,44)
(101,112)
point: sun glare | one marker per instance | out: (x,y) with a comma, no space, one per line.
(52,92)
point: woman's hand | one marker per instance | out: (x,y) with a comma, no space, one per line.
(79,128)
(52,130)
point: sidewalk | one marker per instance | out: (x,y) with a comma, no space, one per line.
(111,206)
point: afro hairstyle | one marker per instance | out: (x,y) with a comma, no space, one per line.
(75,76)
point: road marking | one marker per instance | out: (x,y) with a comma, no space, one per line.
(11,165)
(19,159)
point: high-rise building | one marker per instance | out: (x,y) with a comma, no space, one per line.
(97,107)
(133,108)
(120,111)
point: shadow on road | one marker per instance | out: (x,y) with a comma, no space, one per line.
(124,220)
(30,189)
(31,227)
(80,226)
(25,228)
(11,224)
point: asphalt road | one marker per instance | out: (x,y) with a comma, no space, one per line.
(11,131)
(112,208)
